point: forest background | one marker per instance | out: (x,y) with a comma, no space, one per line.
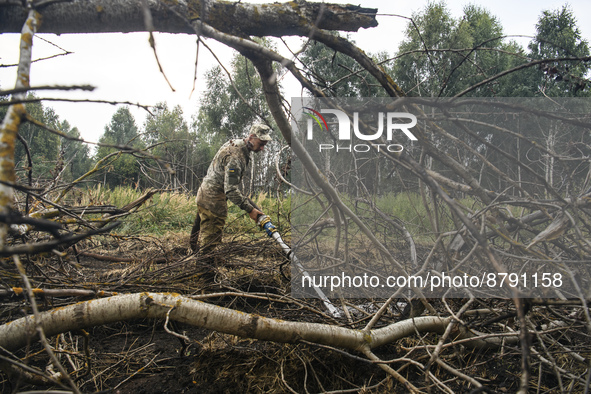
(232,98)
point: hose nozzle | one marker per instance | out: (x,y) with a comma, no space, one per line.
(264,222)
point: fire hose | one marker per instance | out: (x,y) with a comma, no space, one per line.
(264,222)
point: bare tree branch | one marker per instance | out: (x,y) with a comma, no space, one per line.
(236,18)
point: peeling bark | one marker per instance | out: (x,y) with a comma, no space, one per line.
(13,119)
(171,16)
(18,333)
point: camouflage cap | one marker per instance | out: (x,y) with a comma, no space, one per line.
(261,131)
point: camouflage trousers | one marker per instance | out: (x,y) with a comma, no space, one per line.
(207,231)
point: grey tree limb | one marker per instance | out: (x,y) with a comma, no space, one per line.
(242,19)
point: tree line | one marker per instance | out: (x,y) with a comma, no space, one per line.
(446,57)
(440,56)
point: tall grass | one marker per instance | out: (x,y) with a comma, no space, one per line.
(408,208)
(164,212)
(239,222)
(175,212)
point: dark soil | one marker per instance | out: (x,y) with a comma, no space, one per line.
(141,357)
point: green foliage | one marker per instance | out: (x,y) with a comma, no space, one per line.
(239,223)
(442,56)
(43,146)
(166,126)
(406,208)
(169,211)
(121,131)
(230,105)
(51,155)
(558,36)
(76,154)
(337,74)
(409,208)
(173,143)
(175,212)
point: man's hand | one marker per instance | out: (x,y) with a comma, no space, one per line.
(254,214)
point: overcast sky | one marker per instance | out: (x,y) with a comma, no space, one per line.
(123,68)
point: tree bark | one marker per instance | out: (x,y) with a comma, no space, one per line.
(18,333)
(14,117)
(169,16)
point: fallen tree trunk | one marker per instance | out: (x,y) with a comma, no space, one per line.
(18,333)
(106,16)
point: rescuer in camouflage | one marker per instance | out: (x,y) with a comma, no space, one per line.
(222,183)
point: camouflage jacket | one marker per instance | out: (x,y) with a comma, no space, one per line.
(223,179)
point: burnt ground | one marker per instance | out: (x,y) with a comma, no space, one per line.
(141,357)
